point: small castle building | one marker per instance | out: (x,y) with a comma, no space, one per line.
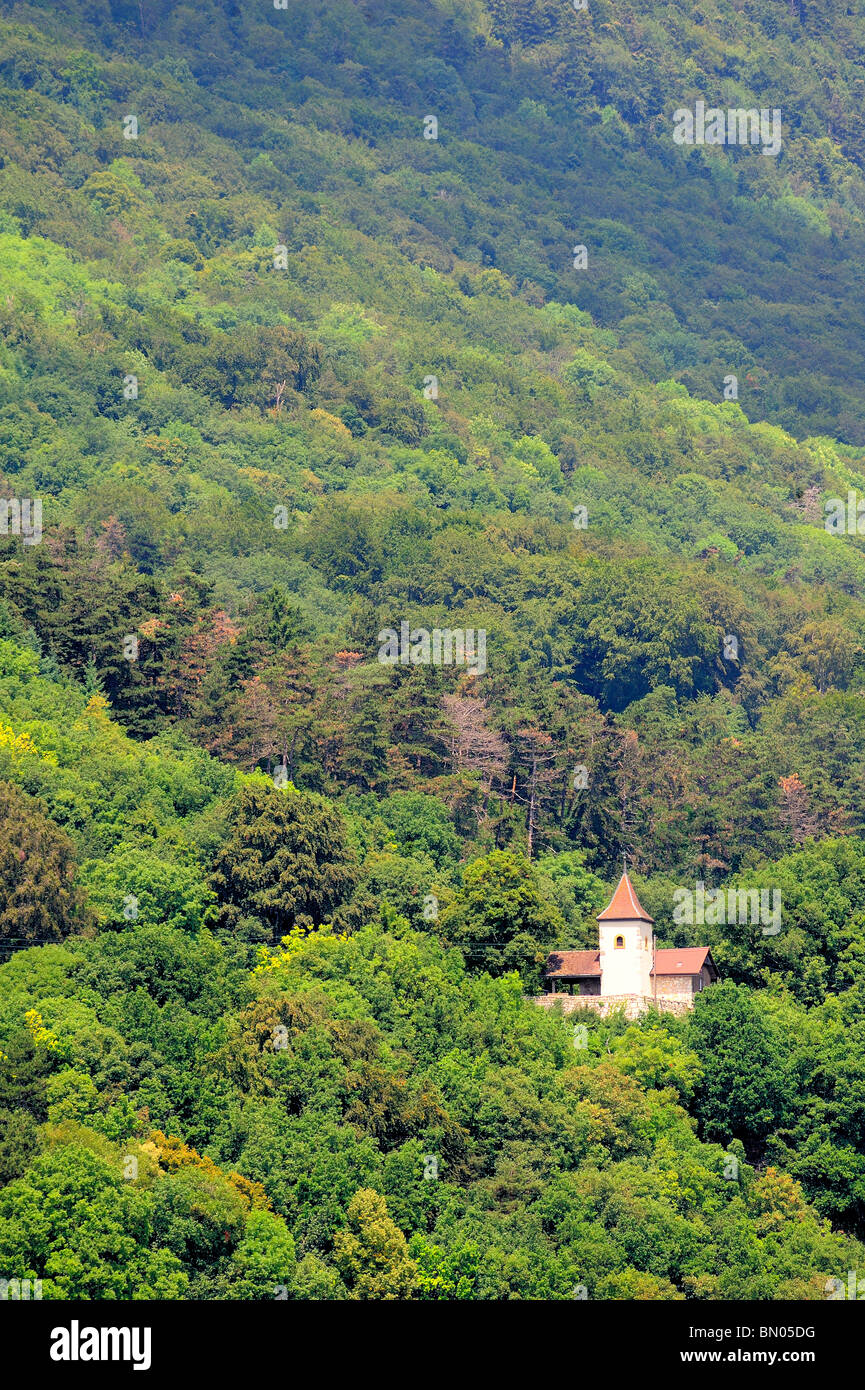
(626,970)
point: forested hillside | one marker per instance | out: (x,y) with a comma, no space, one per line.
(324,322)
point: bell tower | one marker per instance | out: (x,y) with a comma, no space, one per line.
(626,943)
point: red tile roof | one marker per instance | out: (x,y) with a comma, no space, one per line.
(569,964)
(688,960)
(624,906)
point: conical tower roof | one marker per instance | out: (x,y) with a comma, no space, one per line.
(624,906)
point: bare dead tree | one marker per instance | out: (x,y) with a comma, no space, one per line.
(279,388)
(795,809)
(539,753)
(475,747)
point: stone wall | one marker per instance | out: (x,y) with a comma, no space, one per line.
(633,1004)
(675,986)
(669,1005)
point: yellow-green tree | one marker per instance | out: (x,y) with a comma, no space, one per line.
(371,1253)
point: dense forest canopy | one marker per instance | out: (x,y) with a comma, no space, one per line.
(321,322)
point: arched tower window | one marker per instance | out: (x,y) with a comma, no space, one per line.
(620,943)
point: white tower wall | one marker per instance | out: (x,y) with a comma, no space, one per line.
(626,969)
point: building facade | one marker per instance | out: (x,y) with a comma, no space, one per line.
(626,971)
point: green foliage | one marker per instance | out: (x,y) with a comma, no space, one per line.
(746,1089)
(134,886)
(371,1252)
(108,1256)
(38,900)
(286,861)
(500,918)
(577,892)
(427,416)
(421,826)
